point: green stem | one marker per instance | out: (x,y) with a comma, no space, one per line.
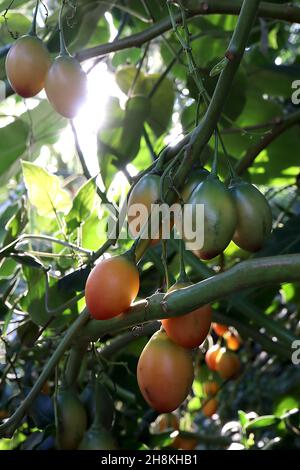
(120,391)
(63,48)
(121,341)
(232,172)
(245,307)
(5,251)
(11,424)
(164,262)
(202,133)
(32,31)
(74,363)
(214,169)
(250,273)
(182,274)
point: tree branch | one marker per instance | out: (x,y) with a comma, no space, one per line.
(285,12)
(199,137)
(123,340)
(194,8)
(248,159)
(12,423)
(251,273)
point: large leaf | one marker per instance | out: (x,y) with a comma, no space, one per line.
(280,161)
(83,205)
(34,301)
(162,103)
(16,224)
(44,190)
(274,80)
(129,79)
(79,25)
(18,25)
(41,124)
(94,231)
(11,148)
(4,4)
(119,146)
(262,422)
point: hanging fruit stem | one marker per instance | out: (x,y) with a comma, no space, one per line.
(214,169)
(231,169)
(164,262)
(96,383)
(182,274)
(32,31)
(63,48)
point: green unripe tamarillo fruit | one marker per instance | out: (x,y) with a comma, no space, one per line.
(98,438)
(193,181)
(71,420)
(254,222)
(27,64)
(220,216)
(104,412)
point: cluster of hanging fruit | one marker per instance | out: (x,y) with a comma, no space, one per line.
(79,425)
(29,70)
(239,212)
(223,361)
(165,370)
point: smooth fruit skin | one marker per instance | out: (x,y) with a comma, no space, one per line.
(98,438)
(194,180)
(220,216)
(254,222)
(228,365)
(165,373)
(72,420)
(211,357)
(27,64)
(146,193)
(66,86)
(190,330)
(219,329)
(210,388)
(210,408)
(111,287)
(232,341)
